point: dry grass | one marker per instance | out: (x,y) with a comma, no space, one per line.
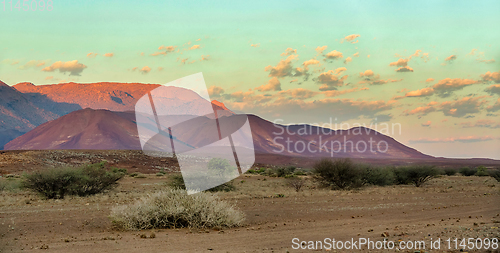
(173,208)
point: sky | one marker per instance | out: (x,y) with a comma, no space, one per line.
(431,67)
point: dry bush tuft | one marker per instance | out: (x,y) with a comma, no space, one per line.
(296,183)
(173,208)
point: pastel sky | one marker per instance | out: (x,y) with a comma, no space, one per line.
(432,67)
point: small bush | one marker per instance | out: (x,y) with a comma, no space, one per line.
(256,171)
(119,170)
(225,187)
(495,174)
(261,170)
(417,175)
(338,174)
(466,171)
(173,208)
(450,171)
(251,171)
(220,167)
(177,182)
(162,172)
(269,172)
(378,176)
(296,183)
(53,183)
(401,175)
(284,172)
(94,179)
(299,173)
(481,172)
(56,183)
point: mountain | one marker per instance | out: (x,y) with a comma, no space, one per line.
(112,96)
(103,95)
(25,106)
(311,141)
(102,129)
(83,129)
(109,124)
(218,106)
(19,114)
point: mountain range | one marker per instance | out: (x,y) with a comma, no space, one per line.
(21,112)
(51,117)
(25,106)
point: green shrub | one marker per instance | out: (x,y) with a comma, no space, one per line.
(177,182)
(173,208)
(481,171)
(466,171)
(225,187)
(338,174)
(220,167)
(495,174)
(417,174)
(299,173)
(251,171)
(137,175)
(450,171)
(256,171)
(119,170)
(94,179)
(269,172)
(378,176)
(52,183)
(83,181)
(284,172)
(401,175)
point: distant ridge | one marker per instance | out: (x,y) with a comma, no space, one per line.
(19,114)
(25,106)
(102,95)
(102,129)
(83,129)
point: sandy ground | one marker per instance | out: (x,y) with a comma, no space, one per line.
(446,207)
